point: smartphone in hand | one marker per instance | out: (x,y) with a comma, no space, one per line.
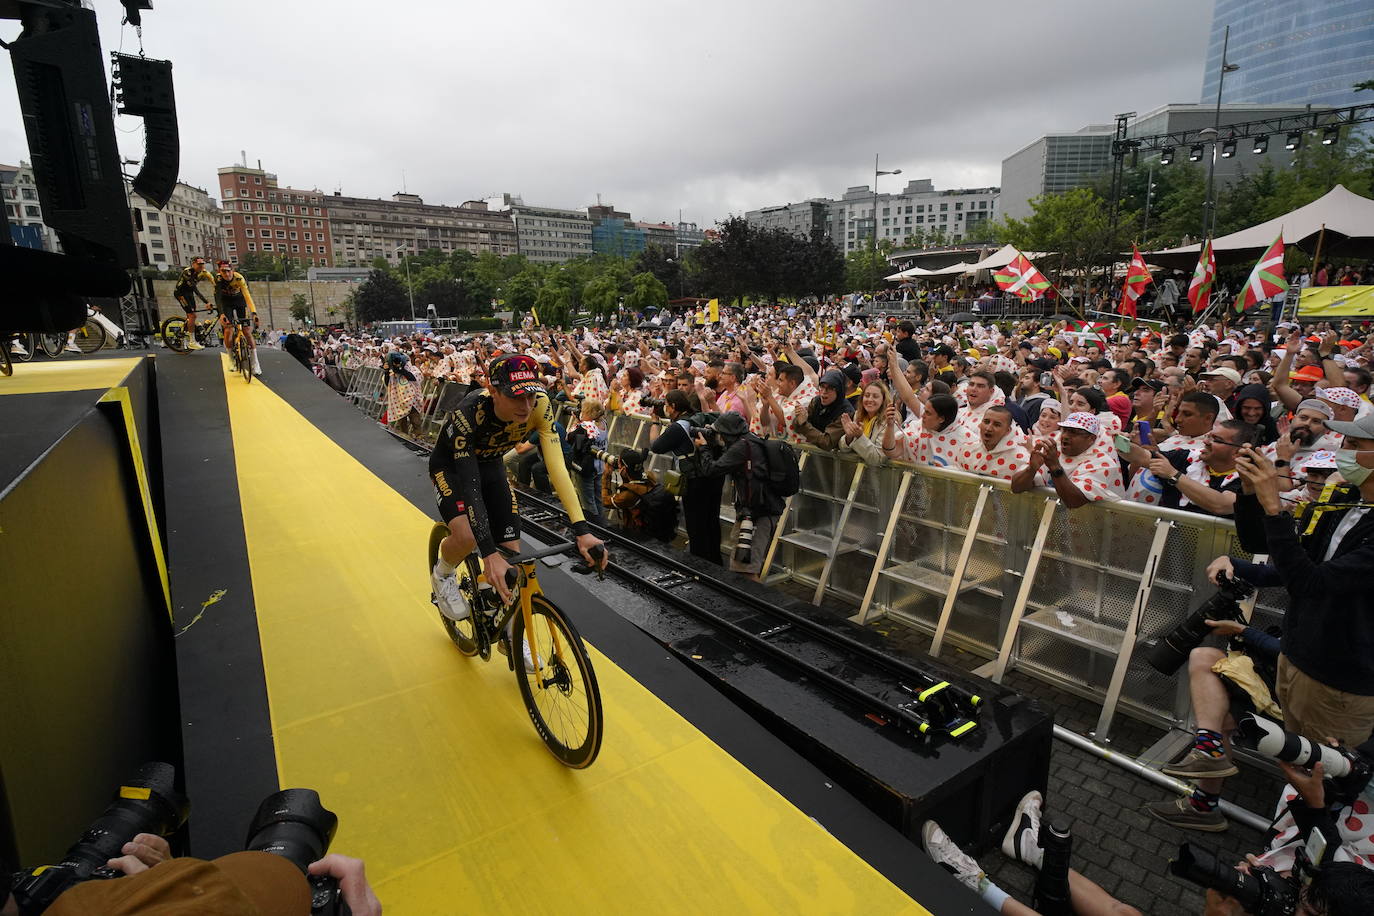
(1123,443)
(1143,430)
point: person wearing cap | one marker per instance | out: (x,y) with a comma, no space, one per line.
(940,367)
(1221,383)
(1306,435)
(1313,476)
(1345,404)
(743,459)
(1325,678)
(1079,468)
(474,494)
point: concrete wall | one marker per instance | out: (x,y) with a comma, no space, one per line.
(273,299)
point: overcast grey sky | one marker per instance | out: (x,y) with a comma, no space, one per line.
(705,106)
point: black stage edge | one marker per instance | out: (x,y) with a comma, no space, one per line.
(648,662)
(969,784)
(87,667)
(226,727)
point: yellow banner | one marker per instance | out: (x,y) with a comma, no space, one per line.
(535,315)
(713,308)
(1337,302)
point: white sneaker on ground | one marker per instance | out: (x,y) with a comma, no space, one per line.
(943,851)
(192,345)
(257,367)
(17,348)
(1022,841)
(451,602)
(71,346)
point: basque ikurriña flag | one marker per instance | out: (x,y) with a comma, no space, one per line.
(1137,278)
(1020,278)
(1200,289)
(1266,280)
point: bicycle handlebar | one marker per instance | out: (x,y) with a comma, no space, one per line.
(516,559)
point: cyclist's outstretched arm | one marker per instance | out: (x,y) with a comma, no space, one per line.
(557,470)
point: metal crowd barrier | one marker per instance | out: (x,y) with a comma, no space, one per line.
(1066,597)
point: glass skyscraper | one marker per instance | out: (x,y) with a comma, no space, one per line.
(1292,51)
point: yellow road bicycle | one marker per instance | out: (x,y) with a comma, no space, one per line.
(555,676)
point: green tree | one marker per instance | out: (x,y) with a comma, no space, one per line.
(647,291)
(865,267)
(1073,227)
(554,302)
(380,298)
(521,290)
(300,308)
(600,296)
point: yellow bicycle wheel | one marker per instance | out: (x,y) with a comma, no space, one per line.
(562,697)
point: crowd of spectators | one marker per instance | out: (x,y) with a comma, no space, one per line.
(1093,411)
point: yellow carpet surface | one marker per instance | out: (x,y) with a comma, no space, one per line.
(74,374)
(429,758)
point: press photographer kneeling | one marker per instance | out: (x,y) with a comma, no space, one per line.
(283,868)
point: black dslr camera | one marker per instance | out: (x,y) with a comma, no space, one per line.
(291,823)
(295,825)
(1262,891)
(1169,654)
(148,803)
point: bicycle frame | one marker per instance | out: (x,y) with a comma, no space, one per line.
(526,587)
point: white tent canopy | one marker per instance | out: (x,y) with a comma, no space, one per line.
(1341,212)
(962,267)
(911,273)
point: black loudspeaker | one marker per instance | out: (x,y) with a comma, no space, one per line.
(59,72)
(143,88)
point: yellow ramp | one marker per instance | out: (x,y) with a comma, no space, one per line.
(74,374)
(429,758)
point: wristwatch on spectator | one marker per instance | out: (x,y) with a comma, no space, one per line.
(1281,463)
(1171,481)
(1057,472)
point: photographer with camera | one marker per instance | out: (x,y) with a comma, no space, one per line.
(1249,669)
(645,507)
(743,458)
(123,865)
(700,494)
(1326,670)
(1320,852)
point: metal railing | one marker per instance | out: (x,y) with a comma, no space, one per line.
(1064,596)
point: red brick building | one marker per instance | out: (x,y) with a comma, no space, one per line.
(262,216)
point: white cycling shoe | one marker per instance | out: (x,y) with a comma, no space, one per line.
(449,597)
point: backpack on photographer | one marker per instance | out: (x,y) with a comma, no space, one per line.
(764,473)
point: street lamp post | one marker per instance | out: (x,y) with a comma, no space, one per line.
(876,173)
(409,288)
(1149,196)
(1209,216)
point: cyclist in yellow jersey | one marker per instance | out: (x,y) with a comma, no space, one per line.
(235,304)
(187,291)
(469,477)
